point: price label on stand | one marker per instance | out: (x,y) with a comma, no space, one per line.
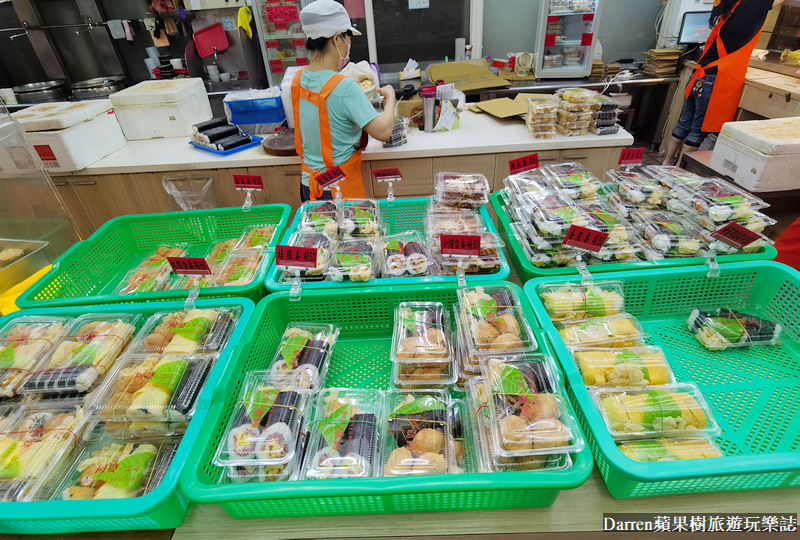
(301,61)
(298,43)
(524,164)
(189,266)
(387,175)
(273,44)
(331,177)
(248,181)
(460,244)
(276,66)
(294,256)
(586,40)
(631,156)
(735,235)
(583,238)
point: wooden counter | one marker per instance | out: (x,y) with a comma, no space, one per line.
(769,95)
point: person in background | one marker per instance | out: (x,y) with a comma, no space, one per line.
(713,93)
(331,110)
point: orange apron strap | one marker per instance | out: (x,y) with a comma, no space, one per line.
(324,120)
(713,37)
(298,141)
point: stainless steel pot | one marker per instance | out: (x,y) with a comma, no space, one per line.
(41,92)
(99,87)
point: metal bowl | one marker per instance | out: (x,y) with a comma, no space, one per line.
(38,86)
(99,87)
(41,91)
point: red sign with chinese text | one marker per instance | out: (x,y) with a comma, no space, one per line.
(276,66)
(248,181)
(189,266)
(460,244)
(583,238)
(524,164)
(631,156)
(549,40)
(330,177)
(735,235)
(301,257)
(586,40)
(387,175)
(302,61)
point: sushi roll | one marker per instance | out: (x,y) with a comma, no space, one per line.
(570,301)
(727,328)
(242,442)
(209,124)
(189,388)
(214,134)
(274,442)
(656,450)
(233,141)
(241,474)
(417,258)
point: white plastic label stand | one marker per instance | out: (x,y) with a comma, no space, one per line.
(338,196)
(713,265)
(294,292)
(586,276)
(462,278)
(390,193)
(248,201)
(193,294)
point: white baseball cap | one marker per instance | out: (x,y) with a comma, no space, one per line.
(325,19)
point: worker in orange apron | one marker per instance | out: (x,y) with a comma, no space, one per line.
(713,93)
(333,104)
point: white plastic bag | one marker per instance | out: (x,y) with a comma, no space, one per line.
(361,72)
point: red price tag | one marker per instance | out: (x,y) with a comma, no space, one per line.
(330,177)
(189,266)
(498,64)
(524,164)
(248,181)
(549,40)
(735,235)
(586,40)
(583,238)
(286,13)
(298,43)
(282,25)
(552,18)
(276,66)
(588,17)
(300,257)
(460,244)
(387,175)
(273,44)
(274,1)
(631,156)
(302,61)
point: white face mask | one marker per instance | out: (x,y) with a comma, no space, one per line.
(343,60)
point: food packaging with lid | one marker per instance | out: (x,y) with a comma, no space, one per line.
(578,95)
(571,301)
(258,236)
(718,329)
(623,207)
(361,218)
(464,190)
(320,217)
(413,374)
(143,429)
(464,458)
(527,416)
(722,201)
(679,182)
(240,268)
(189,331)
(463,371)
(521,184)
(324,246)
(488,262)
(494,322)
(621,330)
(90,346)
(603,218)
(418,438)
(540,131)
(108,468)
(629,366)
(535,120)
(673,410)
(542,106)
(266,425)
(156,387)
(565,116)
(303,355)
(542,252)
(757,223)
(721,247)
(464,222)
(656,450)
(158,257)
(354,260)
(406,254)
(580,125)
(605,103)
(345,434)
(552,213)
(422,334)
(668,234)
(24,341)
(144,279)
(574,131)
(34,445)
(604,130)
(637,188)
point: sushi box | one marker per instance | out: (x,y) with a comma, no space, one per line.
(161,108)
(66,136)
(759,155)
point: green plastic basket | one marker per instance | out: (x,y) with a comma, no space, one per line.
(400,215)
(163,508)
(754,393)
(361,359)
(527,270)
(90,269)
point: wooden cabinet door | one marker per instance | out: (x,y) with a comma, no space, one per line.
(595,159)
(480,163)
(546,157)
(152,195)
(225,194)
(80,218)
(281,184)
(417,177)
(106,196)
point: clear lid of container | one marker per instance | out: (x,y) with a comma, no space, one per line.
(465,459)
(186,331)
(552,213)
(575,107)
(177,282)
(655,450)
(414,374)
(603,218)
(605,103)
(158,257)
(611,115)
(345,434)
(629,366)
(421,334)
(144,279)
(621,330)
(34,445)
(670,176)
(465,190)
(406,254)
(543,131)
(302,357)
(354,260)
(604,130)
(575,116)
(571,301)
(576,125)
(109,468)
(464,222)
(219,252)
(623,207)
(266,423)
(90,346)
(323,245)
(543,252)
(706,228)
(537,106)
(640,190)
(757,223)
(494,322)
(673,410)
(438,207)
(240,268)
(625,252)
(360,219)
(256,237)
(158,387)
(572,131)
(419,440)
(320,217)
(523,183)
(241,474)
(722,328)
(536,121)
(577,95)
(578,182)
(24,341)
(143,429)
(667,233)
(722,201)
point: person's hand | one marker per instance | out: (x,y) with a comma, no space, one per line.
(387,92)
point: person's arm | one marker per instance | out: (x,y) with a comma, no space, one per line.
(382,126)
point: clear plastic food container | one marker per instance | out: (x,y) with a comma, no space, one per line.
(721,247)
(419,438)
(424,375)
(191,282)
(565,116)
(240,268)
(674,410)
(361,218)
(186,331)
(679,182)
(159,256)
(144,279)
(303,355)
(575,107)
(422,334)
(575,179)
(542,252)
(640,190)
(604,130)
(757,223)
(345,434)
(219,252)
(354,260)
(464,190)
(603,218)
(656,450)
(536,120)
(623,207)
(464,458)
(158,387)
(621,330)
(552,61)
(488,262)
(523,183)
(320,217)
(464,222)
(571,301)
(553,213)
(631,366)
(91,345)
(578,95)
(543,131)
(722,328)
(626,252)
(406,254)
(143,429)
(722,201)
(256,237)
(493,321)
(606,116)
(605,103)
(24,341)
(542,106)
(572,132)
(667,233)
(324,246)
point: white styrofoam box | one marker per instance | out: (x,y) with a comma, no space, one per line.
(161,108)
(754,170)
(53,116)
(70,149)
(771,137)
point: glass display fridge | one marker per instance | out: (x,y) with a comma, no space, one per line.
(281,36)
(565,47)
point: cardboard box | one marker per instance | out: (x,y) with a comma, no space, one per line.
(467,75)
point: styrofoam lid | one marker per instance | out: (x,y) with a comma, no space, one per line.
(776,136)
(53,116)
(158,91)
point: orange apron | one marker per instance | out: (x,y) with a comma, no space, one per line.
(352,187)
(731,72)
